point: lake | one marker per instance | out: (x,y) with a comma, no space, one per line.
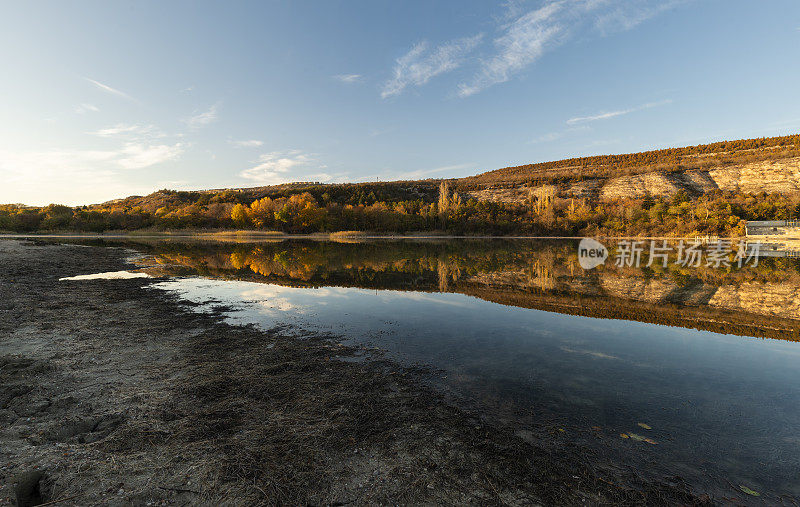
(675,371)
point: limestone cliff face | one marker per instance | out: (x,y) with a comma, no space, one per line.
(516,195)
(781,300)
(770,176)
(764,298)
(635,288)
(639,185)
(698,181)
(582,189)
(758,298)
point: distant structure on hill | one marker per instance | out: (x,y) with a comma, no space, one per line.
(787,229)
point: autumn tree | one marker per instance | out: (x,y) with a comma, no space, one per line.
(544,196)
(262,212)
(448,201)
(240,216)
(301,213)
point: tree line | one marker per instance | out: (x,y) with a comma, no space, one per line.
(313,209)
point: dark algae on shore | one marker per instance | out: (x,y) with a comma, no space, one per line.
(115,393)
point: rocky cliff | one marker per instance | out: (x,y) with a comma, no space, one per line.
(772,176)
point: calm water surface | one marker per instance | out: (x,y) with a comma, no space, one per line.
(717,407)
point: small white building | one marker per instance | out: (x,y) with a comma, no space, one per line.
(786,229)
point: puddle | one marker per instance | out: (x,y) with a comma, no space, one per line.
(109,275)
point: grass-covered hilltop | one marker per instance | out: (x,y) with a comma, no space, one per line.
(705,189)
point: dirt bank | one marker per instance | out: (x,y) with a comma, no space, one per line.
(112,392)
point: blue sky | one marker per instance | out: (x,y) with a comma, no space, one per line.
(104,99)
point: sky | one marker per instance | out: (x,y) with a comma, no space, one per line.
(105,99)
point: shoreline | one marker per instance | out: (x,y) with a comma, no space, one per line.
(117,392)
(267,235)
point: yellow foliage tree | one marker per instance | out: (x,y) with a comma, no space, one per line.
(240,216)
(262,212)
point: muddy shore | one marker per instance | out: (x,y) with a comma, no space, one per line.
(112,392)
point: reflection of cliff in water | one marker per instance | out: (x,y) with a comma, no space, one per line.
(762,301)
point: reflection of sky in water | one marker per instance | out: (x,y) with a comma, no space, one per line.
(725,403)
(109,275)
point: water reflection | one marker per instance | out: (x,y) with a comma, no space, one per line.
(720,408)
(761,301)
(110,275)
(567,349)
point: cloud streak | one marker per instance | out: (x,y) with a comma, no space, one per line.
(131,132)
(632,13)
(86,108)
(613,114)
(251,143)
(202,119)
(421,64)
(524,41)
(523,37)
(139,156)
(90,175)
(282,166)
(109,89)
(348,78)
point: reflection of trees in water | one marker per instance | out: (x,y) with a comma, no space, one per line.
(448,271)
(542,276)
(542,264)
(441,262)
(300,265)
(541,273)
(533,274)
(525,267)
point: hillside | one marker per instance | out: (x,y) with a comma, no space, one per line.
(769,165)
(704,156)
(748,166)
(705,189)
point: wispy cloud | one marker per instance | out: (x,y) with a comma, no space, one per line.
(348,78)
(85,108)
(108,89)
(420,64)
(131,132)
(251,143)
(283,166)
(129,156)
(632,13)
(141,145)
(379,132)
(613,114)
(202,119)
(138,156)
(41,177)
(524,41)
(549,137)
(37,177)
(524,35)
